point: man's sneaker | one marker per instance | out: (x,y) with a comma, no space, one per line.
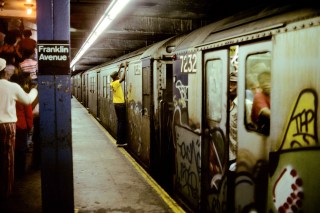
(122,144)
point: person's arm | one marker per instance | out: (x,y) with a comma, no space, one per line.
(123,77)
(23,97)
(119,70)
(265,112)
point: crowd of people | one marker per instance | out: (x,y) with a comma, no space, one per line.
(18,105)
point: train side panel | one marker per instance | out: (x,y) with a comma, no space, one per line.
(92,91)
(84,88)
(138,111)
(107,114)
(294,164)
(186,127)
(76,86)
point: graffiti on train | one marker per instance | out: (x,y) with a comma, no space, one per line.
(135,124)
(188,163)
(218,157)
(291,187)
(182,98)
(301,130)
(217,176)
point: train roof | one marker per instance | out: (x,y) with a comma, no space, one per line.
(163,48)
(157,50)
(245,23)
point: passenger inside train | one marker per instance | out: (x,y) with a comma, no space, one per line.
(252,87)
(233,120)
(261,104)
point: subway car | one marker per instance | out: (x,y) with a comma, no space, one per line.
(226,117)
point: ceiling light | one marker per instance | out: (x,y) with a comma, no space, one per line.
(29,6)
(109,15)
(1,4)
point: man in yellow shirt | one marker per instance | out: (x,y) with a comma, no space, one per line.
(119,104)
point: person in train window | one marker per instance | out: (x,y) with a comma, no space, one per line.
(252,87)
(233,130)
(9,93)
(119,104)
(260,113)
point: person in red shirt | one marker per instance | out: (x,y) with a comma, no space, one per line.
(24,125)
(261,104)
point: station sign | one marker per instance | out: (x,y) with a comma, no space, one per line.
(53,57)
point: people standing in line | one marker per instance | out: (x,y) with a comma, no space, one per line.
(30,66)
(27,43)
(119,104)
(8,50)
(9,93)
(24,125)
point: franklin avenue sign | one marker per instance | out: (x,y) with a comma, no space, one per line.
(53,57)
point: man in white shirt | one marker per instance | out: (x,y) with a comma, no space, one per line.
(9,93)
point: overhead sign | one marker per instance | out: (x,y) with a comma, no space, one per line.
(53,57)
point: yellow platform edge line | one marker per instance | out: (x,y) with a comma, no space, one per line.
(163,194)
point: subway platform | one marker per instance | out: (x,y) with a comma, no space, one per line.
(106,177)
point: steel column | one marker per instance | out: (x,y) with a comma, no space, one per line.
(53,25)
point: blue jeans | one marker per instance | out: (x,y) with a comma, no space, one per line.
(121,127)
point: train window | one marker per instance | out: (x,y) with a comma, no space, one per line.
(146,98)
(108,87)
(92,84)
(257,93)
(214,89)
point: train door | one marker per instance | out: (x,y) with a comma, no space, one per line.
(254,84)
(164,148)
(85,91)
(215,144)
(98,95)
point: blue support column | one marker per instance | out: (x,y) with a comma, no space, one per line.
(53,30)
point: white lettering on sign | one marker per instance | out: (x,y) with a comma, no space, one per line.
(53,53)
(188,64)
(52,57)
(55,49)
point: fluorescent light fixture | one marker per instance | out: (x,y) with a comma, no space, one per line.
(109,15)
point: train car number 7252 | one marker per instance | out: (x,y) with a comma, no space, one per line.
(188,64)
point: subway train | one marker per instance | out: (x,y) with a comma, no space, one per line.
(226,117)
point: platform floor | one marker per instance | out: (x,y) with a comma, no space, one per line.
(106,177)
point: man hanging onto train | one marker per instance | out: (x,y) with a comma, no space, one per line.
(119,104)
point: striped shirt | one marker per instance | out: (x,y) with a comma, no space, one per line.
(31,66)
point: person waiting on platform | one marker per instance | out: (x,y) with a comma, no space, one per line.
(9,93)
(29,65)
(24,124)
(27,43)
(119,104)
